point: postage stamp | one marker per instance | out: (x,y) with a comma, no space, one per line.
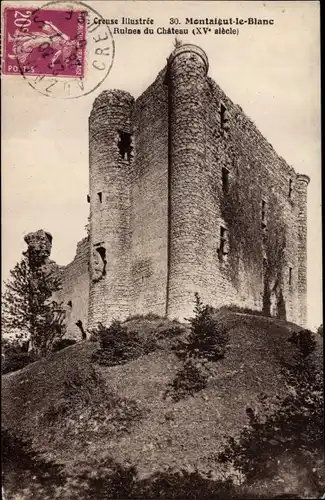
(44,42)
(59,48)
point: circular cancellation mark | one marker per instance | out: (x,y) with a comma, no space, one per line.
(58,48)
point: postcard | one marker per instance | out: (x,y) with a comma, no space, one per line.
(162,278)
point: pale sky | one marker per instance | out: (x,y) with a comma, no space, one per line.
(272,72)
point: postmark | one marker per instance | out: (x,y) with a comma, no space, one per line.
(58,48)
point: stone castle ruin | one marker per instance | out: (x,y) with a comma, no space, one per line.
(185,196)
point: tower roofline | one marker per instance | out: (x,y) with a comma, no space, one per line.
(189,47)
(303,178)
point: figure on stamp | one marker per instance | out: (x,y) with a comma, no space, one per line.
(51,41)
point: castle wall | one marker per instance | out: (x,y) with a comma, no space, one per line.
(256,175)
(260,268)
(302,183)
(200,202)
(74,293)
(149,200)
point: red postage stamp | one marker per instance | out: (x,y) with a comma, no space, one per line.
(44,42)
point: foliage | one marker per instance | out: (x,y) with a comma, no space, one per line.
(24,470)
(320,330)
(243,310)
(29,474)
(149,316)
(62,344)
(15,357)
(171,332)
(28,311)
(207,341)
(188,381)
(207,338)
(306,344)
(118,345)
(292,428)
(89,409)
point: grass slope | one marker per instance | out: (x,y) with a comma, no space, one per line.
(75,411)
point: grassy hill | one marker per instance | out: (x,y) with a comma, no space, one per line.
(79,415)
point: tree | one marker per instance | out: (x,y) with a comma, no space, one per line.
(207,339)
(28,312)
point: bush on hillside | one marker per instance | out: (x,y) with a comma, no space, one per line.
(88,408)
(208,338)
(21,463)
(171,333)
(118,345)
(149,316)
(207,341)
(294,430)
(305,342)
(15,357)
(187,382)
(243,310)
(320,330)
(62,344)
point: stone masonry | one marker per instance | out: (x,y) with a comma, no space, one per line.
(186,196)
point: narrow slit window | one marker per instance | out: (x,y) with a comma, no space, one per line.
(263,215)
(290,188)
(88,198)
(100,197)
(290,275)
(223,117)
(223,248)
(225,180)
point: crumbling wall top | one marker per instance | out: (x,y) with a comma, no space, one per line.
(40,241)
(112,98)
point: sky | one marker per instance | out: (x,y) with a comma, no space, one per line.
(272,72)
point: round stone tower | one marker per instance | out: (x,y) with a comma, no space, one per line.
(187,70)
(110,157)
(302,182)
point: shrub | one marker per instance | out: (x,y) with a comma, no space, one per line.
(15,359)
(86,407)
(171,332)
(207,338)
(21,463)
(293,430)
(243,310)
(150,316)
(305,342)
(188,381)
(320,330)
(118,345)
(62,344)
